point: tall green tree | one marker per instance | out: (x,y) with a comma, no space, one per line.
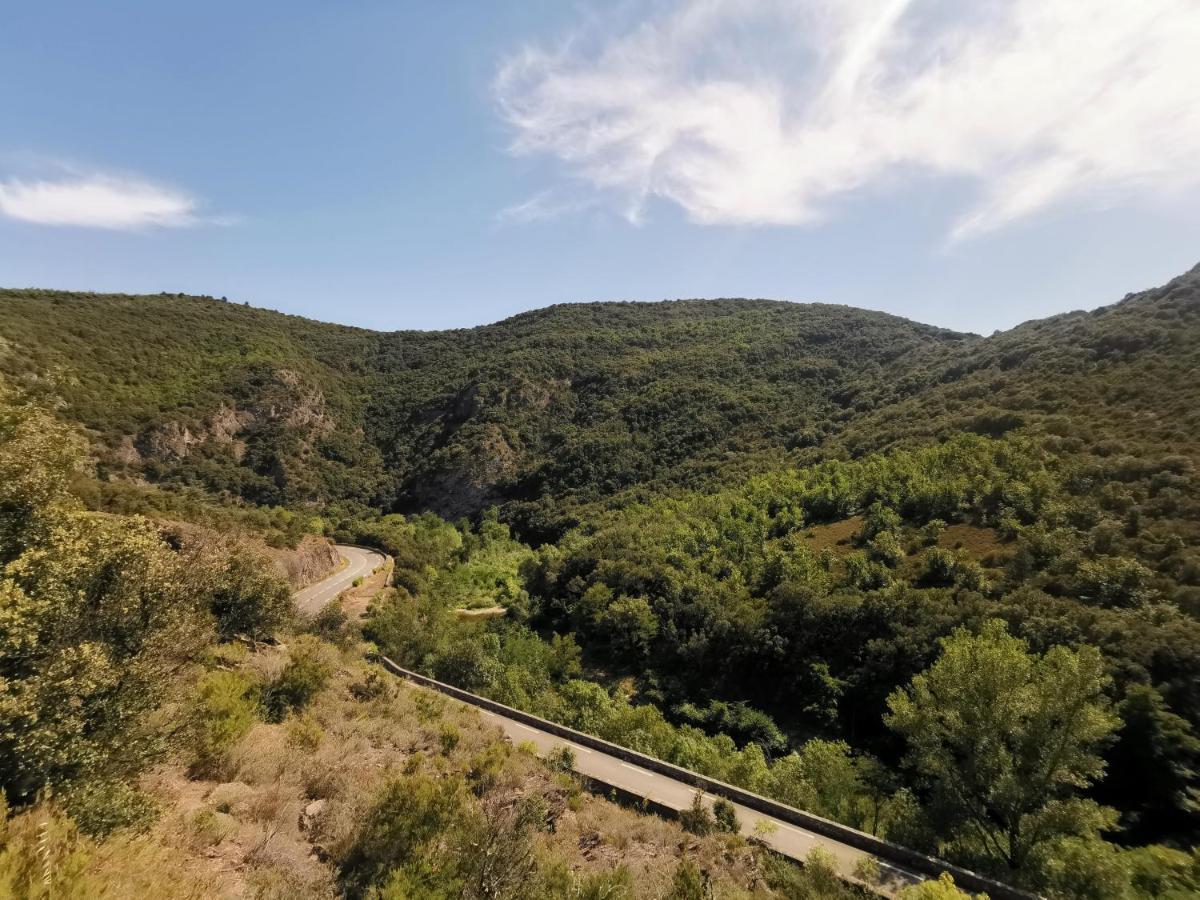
(1003,740)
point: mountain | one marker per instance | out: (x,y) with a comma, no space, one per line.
(555,409)
(940,587)
(573,402)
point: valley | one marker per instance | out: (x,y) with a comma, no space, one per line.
(864,567)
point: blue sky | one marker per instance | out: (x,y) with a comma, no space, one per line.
(431,165)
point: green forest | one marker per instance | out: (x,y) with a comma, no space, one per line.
(940,587)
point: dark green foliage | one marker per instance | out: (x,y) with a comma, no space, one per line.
(689,883)
(576,401)
(1161,752)
(725,816)
(302,678)
(411,813)
(333,625)
(246,595)
(762,518)
(225,709)
(698,818)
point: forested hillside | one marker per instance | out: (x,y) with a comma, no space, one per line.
(539,413)
(940,587)
(551,410)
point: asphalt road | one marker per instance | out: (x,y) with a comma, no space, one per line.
(786,839)
(359,564)
(783,837)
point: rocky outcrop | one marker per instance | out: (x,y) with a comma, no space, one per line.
(465,478)
(284,400)
(171,441)
(313,559)
(126,452)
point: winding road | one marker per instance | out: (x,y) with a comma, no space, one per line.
(359,564)
(611,770)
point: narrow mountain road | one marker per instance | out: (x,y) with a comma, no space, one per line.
(784,838)
(359,564)
(658,789)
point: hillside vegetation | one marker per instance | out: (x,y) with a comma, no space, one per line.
(939,587)
(539,413)
(552,410)
(168,729)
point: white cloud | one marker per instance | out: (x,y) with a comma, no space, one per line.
(96,201)
(766,112)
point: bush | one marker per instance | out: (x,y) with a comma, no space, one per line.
(940,567)
(409,814)
(245,595)
(304,733)
(942,889)
(448,738)
(698,819)
(225,710)
(689,883)
(101,807)
(867,870)
(301,680)
(332,624)
(561,759)
(726,816)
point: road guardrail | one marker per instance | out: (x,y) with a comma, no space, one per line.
(885,850)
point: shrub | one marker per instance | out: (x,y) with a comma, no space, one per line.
(867,870)
(101,807)
(561,759)
(42,855)
(940,567)
(304,733)
(332,624)
(821,867)
(371,687)
(697,818)
(301,680)
(614,884)
(225,710)
(448,738)
(689,883)
(942,889)
(409,815)
(726,816)
(244,593)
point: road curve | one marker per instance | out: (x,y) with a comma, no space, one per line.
(359,564)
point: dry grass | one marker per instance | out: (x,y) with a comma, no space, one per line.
(835,536)
(983,544)
(291,806)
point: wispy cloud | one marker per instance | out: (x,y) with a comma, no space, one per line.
(97,201)
(765,113)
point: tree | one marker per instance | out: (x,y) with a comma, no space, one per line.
(942,889)
(97,616)
(1155,766)
(1002,739)
(630,625)
(245,595)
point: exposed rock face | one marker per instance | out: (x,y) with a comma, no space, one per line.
(466,477)
(312,560)
(126,453)
(304,407)
(171,441)
(227,423)
(285,400)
